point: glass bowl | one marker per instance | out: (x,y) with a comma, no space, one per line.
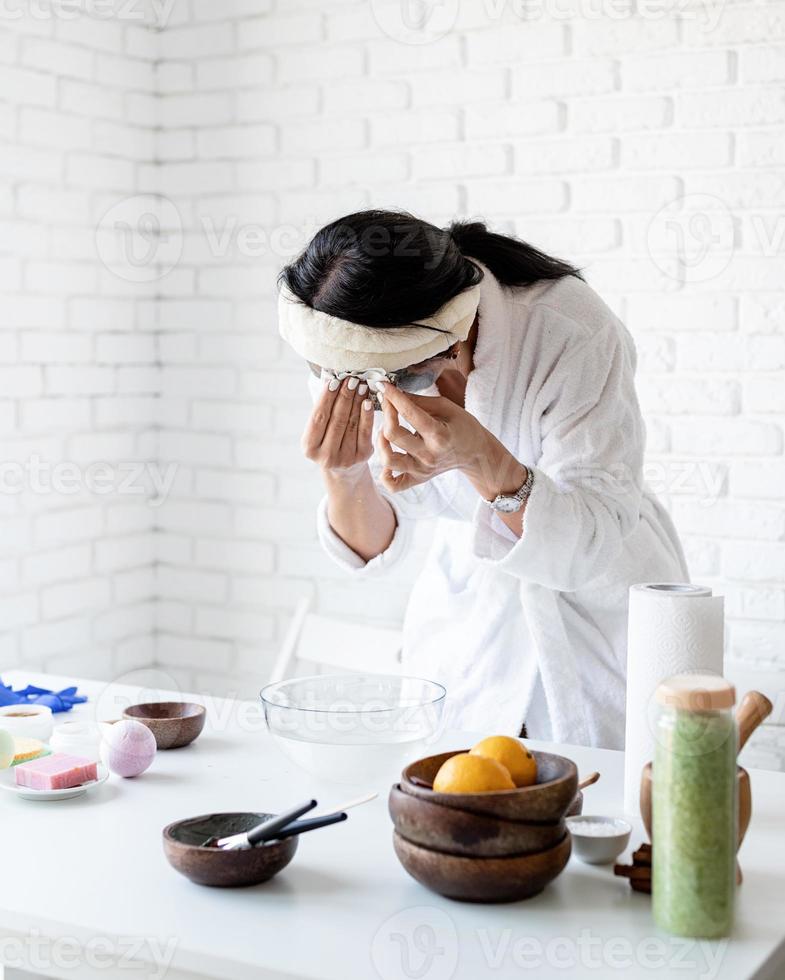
(353,728)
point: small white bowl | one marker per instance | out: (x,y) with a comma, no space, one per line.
(77,738)
(598,840)
(27,721)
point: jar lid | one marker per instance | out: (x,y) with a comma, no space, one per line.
(697,692)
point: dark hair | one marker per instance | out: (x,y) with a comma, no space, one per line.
(387,268)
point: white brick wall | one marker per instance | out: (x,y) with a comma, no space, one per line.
(76,580)
(259,120)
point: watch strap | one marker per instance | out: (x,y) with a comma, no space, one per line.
(522,494)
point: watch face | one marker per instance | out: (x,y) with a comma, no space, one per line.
(507,505)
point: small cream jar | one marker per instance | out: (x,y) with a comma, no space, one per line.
(27,721)
(77,738)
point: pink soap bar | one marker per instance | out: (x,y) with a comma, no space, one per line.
(58,771)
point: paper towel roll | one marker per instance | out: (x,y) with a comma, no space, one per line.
(673,629)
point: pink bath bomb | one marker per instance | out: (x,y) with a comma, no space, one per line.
(127,748)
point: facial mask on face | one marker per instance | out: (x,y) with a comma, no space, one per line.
(414,382)
(407,380)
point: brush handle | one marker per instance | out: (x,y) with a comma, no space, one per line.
(348,804)
(314,823)
(753,710)
(269,828)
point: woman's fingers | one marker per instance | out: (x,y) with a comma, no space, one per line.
(395,433)
(351,432)
(389,416)
(409,442)
(385,451)
(318,420)
(396,483)
(416,416)
(390,459)
(365,430)
(342,409)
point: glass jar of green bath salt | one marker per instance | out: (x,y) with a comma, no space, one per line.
(694,808)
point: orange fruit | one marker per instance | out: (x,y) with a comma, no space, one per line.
(466,773)
(512,754)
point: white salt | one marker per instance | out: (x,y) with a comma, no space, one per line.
(596,828)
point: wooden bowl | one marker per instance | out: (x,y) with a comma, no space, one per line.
(174,723)
(491,879)
(547,801)
(744,803)
(184,850)
(451,831)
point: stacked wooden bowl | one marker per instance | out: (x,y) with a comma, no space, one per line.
(485,847)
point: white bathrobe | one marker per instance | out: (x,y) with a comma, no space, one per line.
(533,629)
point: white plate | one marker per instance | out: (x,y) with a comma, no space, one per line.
(8,783)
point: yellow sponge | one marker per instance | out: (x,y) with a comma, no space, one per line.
(28,749)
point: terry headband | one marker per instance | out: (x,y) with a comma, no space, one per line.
(344,346)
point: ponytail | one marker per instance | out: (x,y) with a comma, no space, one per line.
(513,262)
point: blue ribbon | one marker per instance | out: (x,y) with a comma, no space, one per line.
(56,700)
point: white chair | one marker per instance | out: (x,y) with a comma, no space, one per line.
(336,644)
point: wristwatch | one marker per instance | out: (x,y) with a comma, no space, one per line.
(509,503)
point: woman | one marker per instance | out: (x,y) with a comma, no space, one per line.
(509,413)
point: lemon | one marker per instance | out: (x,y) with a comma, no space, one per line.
(466,773)
(512,754)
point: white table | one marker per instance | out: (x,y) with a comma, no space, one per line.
(85,891)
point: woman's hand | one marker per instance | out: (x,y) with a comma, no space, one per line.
(446,437)
(338,435)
